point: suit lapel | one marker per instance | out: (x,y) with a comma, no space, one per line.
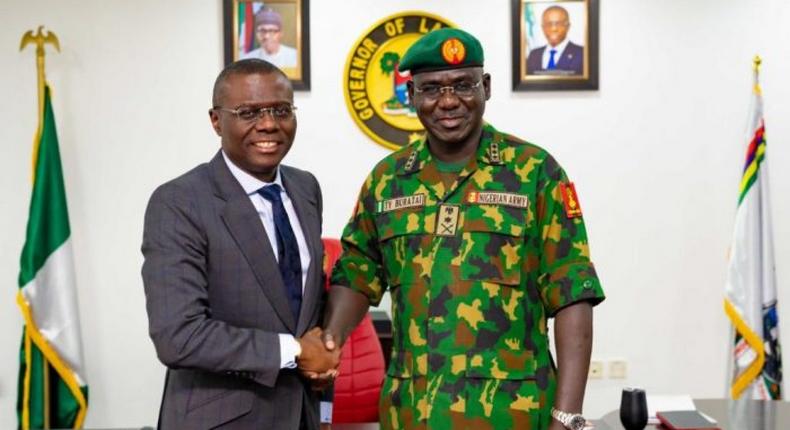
(567,57)
(244,225)
(306,209)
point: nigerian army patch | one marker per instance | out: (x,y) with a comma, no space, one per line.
(570,200)
(497,198)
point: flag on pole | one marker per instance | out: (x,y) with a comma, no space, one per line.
(246,25)
(750,299)
(53,392)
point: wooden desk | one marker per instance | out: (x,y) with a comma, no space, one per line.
(730,414)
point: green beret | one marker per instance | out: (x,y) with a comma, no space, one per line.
(446,48)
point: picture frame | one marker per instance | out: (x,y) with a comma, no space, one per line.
(274,30)
(555,45)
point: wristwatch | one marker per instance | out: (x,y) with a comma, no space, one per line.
(571,421)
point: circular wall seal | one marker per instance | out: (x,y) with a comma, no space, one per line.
(374,88)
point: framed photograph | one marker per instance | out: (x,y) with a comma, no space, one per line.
(555,45)
(277,31)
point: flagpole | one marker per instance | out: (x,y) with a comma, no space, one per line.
(39,39)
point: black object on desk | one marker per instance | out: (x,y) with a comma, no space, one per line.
(633,409)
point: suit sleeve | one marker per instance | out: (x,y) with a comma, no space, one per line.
(176,290)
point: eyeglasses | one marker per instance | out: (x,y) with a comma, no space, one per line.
(460,89)
(555,24)
(268,30)
(250,114)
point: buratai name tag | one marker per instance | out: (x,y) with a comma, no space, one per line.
(417,200)
(497,198)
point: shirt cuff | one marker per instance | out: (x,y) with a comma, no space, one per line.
(288,350)
(326,412)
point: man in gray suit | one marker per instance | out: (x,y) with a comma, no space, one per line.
(232,270)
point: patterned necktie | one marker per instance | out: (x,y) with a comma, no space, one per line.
(552,64)
(287,249)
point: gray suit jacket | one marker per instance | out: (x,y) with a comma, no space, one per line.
(216,302)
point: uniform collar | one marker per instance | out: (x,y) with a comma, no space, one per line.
(488,152)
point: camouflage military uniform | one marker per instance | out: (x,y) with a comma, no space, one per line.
(474,269)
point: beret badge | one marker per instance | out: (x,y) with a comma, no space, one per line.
(453,51)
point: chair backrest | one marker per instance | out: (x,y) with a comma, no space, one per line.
(358,386)
(332,250)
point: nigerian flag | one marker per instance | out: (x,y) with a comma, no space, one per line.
(53,392)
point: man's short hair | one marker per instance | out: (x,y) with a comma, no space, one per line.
(249,66)
(559,8)
(268,16)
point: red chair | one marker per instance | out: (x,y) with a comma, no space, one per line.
(358,386)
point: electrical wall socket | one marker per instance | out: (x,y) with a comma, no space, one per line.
(596,370)
(618,369)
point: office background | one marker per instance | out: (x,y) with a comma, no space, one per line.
(656,155)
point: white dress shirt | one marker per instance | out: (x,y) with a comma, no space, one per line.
(547,53)
(288,345)
(286,56)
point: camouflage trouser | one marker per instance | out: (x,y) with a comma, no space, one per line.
(433,402)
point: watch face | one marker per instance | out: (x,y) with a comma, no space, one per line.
(577,422)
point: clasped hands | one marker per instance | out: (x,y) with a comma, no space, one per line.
(320,358)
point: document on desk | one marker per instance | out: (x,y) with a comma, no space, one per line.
(686,420)
(667,403)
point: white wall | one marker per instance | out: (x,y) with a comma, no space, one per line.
(655,154)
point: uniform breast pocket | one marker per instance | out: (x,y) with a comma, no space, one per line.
(493,242)
(401,236)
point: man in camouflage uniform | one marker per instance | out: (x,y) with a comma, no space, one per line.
(479,237)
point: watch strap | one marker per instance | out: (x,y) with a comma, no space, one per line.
(565,418)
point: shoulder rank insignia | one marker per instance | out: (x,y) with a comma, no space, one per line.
(410,162)
(570,200)
(493,153)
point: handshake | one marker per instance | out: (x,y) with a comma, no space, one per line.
(320,357)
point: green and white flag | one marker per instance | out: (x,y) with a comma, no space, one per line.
(53,392)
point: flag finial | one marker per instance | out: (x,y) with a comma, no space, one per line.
(757,62)
(39,39)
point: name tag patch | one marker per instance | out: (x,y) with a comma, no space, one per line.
(497,198)
(417,200)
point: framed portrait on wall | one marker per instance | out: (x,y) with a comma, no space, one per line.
(555,44)
(273,30)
